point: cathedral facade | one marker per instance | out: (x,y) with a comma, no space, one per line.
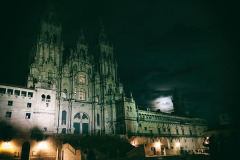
(83,96)
(85,87)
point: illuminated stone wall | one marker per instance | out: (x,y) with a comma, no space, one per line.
(161,133)
(28,109)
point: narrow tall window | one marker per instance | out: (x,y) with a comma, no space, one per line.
(64,116)
(43,97)
(190,131)
(182,131)
(82,94)
(98,120)
(97,98)
(177,131)
(159,130)
(75,90)
(169,131)
(48,98)
(65,93)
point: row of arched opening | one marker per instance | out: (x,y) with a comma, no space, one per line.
(46,98)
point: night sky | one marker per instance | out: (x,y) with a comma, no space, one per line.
(159,45)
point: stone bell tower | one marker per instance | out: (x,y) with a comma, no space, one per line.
(46,54)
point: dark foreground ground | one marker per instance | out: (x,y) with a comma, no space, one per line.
(189,157)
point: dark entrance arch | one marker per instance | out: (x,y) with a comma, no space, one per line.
(25,151)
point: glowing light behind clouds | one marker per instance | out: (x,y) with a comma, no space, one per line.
(164,104)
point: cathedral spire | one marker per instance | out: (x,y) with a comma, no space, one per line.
(81,38)
(48,51)
(102,34)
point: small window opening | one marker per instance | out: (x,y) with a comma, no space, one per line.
(28,115)
(8,114)
(17,93)
(3,90)
(24,93)
(29,105)
(30,94)
(10,91)
(10,103)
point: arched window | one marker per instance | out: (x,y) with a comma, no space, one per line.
(48,98)
(65,93)
(77,116)
(43,97)
(97,98)
(82,78)
(98,120)
(64,117)
(84,116)
(82,94)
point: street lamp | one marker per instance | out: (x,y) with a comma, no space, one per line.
(42,145)
(6,145)
(158,144)
(178,144)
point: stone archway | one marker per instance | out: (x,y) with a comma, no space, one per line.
(25,151)
(81,123)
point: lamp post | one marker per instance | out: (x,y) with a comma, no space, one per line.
(178,146)
(6,146)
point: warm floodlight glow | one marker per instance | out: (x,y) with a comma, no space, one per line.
(164,104)
(157,144)
(6,145)
(42,145)
(177,144)
(133,144)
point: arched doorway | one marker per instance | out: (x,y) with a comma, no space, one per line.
(25,151)
(81,123)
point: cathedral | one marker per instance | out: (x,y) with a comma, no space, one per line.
(82,95)
(85,87)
